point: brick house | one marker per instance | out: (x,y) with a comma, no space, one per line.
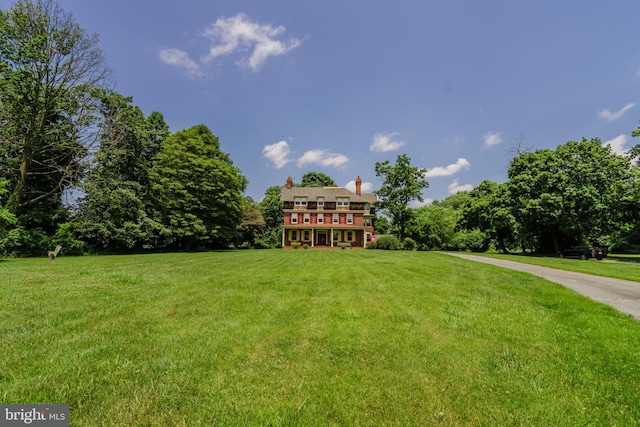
(327,217)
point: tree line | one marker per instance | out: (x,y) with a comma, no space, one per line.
(83,167)
(580,193)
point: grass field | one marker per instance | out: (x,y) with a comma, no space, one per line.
(331,338)
(625,267)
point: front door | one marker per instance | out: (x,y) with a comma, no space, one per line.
(322,239)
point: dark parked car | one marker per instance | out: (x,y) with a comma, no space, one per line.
(582,252)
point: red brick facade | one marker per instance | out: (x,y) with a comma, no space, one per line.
(327,217)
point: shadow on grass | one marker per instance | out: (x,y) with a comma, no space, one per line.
(634,259)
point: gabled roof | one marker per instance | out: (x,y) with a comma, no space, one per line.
(329,193)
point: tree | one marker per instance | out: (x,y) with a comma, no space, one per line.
(48,68)
(316,179)
(7,219)
(271,208)
(488,209)
(634,152)
(571,195)
(433,227)
(402,183)
(118,212)
(252,224)
(198,189)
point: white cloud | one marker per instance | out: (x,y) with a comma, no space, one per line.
(367,187)
(322,158)
(417,204)
(617,144)
(230,35)
(384,142)
(448,170)
(179,58)
(278,153)
(492,138)
(614,115)
(455,187)
(239,33)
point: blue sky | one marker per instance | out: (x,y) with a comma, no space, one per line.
(293,86)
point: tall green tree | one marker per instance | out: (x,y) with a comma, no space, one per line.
(252,225)
(433,227)
(402,183)
(49,67)
(198,189)
(271,208)
(570,195)
(316,179)
(488,209)
(634,152)
(7,219)
(118,212)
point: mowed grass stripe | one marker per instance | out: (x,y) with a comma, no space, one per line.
(311,338)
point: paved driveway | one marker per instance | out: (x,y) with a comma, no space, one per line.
(623,295)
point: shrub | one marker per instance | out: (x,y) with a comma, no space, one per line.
(387,242)
(409,244)
(295,245)
(29,243)
(64,237)
(471,240)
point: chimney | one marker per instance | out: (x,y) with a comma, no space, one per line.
(359,186)
(289,182)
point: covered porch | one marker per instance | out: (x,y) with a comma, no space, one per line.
(326,237)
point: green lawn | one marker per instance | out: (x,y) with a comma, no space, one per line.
(625,267)
(311,337)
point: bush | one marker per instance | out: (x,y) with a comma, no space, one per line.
(387,242)
(470,240)
(64,237)
(268,239)
(627,244)
(27,243)
(295,245)
(409,244)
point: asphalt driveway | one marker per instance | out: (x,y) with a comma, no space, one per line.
(623,295)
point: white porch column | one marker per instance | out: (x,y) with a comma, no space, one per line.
(284,233)
(313,236)
(331,237)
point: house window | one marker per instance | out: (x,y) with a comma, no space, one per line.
(320,201)
(367,222)
(349,236)
(320,218)
(368,237)
(342,201)
(306,236)
(335,218)
(336,236)
(349,218)
(294,218)
(307,218)
(294,235)
(300,201)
